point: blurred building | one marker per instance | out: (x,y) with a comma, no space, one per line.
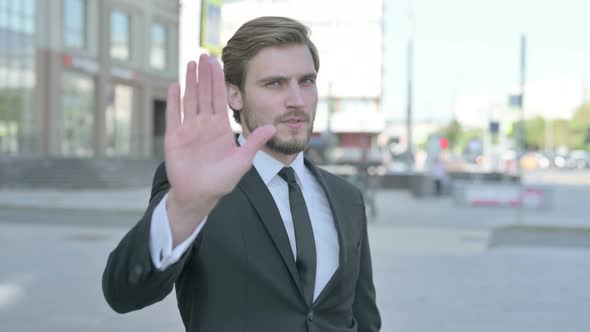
(85,78)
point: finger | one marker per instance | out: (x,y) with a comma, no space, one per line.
(219,90)
(190,92)
(256,141)
(204,89)
(173,108)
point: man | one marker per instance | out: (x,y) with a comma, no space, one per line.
(253,236)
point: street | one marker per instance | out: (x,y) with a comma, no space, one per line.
(433,270)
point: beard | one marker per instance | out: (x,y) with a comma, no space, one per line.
(276,144)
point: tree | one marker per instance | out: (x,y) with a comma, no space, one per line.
(580,128)
(535,133)
(561,132)
(458,136)
(453,133)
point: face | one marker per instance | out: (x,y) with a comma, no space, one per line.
(279,89)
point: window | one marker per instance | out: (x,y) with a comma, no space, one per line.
(118,121)
(77,115)
(158,55)
(74,20)
(120,35)
(19,121)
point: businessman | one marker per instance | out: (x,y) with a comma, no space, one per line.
(250,233)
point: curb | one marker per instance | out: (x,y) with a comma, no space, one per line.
(74,209)
(540,235)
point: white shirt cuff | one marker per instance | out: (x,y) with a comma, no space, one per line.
(161,251)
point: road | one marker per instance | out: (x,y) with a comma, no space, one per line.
(433,270)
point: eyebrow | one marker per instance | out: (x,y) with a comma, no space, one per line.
(280,78)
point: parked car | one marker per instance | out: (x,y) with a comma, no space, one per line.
(578,159)
(534,160)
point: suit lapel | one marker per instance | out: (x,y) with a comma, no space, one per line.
(258,194)
(260,197)
(337,212)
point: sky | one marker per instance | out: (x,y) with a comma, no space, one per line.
(467,54)
(467,48)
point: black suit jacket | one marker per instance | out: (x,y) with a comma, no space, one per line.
(240,275)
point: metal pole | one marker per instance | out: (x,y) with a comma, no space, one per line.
(522,132)
(410,49)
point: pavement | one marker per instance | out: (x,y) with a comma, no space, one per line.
(394,207)
(563,221)
(431,258)
(122,200)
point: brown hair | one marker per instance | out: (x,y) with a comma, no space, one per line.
(257,34)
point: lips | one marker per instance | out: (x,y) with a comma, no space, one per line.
(294,122)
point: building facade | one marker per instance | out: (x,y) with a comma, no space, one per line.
(86,78)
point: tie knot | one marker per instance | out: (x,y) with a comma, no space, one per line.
(288,174)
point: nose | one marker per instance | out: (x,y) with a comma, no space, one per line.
(294,96)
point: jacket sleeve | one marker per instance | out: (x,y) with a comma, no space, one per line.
(365,306)
(130,281)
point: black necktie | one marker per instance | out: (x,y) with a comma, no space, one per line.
(306,256)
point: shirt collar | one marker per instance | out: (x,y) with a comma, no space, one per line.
(268,167)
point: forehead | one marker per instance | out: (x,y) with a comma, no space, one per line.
(287,61)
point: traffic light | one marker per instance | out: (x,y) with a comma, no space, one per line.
(443,143)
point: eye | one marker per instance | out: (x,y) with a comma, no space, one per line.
(308,81)
(272,84)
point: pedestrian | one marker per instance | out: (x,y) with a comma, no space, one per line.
(439,173)
(251,234)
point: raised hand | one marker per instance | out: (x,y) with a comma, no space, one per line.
(203,162)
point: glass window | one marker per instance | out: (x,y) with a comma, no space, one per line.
(29,7)
(120,35)
(19,120)
(158,56)
(4,14)
(77,115)
(74,20)
(17,16)
(118,121)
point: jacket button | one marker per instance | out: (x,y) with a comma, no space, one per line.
(310,316)
(135,274)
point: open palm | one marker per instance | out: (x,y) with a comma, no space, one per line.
(202,158)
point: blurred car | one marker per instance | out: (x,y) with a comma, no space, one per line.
(534,160)
(556,159)
(560,161)
(578,159)
(543,161)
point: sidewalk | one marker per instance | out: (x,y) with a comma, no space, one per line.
(126,200)
(395,207)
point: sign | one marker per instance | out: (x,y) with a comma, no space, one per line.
(211,26)
(123,73)
(83,64)
(494,127)
(502,195)
(515,100)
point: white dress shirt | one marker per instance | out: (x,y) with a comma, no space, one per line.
(322,221)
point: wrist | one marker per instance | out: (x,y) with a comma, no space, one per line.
(184,218)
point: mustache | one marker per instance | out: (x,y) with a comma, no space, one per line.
(294,113)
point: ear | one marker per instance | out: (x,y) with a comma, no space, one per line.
(234,97)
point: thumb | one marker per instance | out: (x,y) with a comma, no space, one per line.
(256,140)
